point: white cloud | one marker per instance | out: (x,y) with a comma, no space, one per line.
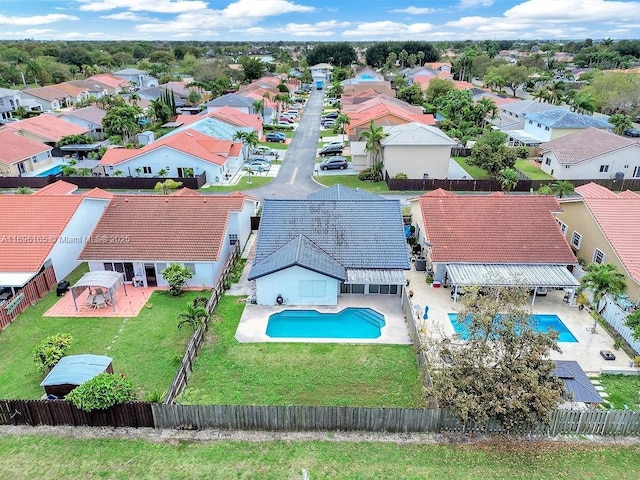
(30,33)
(37,19)
(566,11)
(129,16)
(263,8)
(474,3)
(156,6)
(414,10)
(388,28)
(320,29)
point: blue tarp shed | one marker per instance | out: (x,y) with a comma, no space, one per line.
(76,369)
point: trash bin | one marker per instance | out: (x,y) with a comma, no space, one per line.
(421,264)
(62,287)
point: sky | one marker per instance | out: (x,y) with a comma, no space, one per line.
(318,20)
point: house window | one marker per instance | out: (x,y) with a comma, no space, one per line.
(146,170)
(547,161)
(604,168)
(576,240)
(636,172)
(598,256)
(530,122)
(374,288)
(563,226)
(34,159)
(312,288)
(567,166)
(191,266)
(233,238)
(539,125)
(546,128)
(121,267)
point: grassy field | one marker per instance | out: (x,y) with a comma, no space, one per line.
(146,348)
(622,389)
(40,456)
(474,172)
(227,372)
(531,171)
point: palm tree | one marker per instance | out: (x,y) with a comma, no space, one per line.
(508,178)
(556,91)
(341,122)
(601,279)
(161,173)
(373,137)
(194,316)
(541,95)
(248,139)
(562,188)
(249,171)
(258,106)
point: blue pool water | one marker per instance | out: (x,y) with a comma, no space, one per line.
(540,323)
(348,323)
(52,171)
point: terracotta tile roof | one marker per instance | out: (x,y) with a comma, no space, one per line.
(185,192)
(98,193)
(238,118)
(70,89)
(27,244)
(163,228)
(16,148)
(57,188)
(586,144)
(188,141)
(593,190)
(109,80)
(494,229)
(48,127)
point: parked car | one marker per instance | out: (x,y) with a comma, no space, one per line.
(331,150)
(334,163)
(631,132)
(330,115)
(262,150)
(276,137)
(258,165)
(335,142)
(260,159)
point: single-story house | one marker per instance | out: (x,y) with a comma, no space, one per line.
(45,99)
(48,129)
(155,231)
(47,228)
(88,117)
(602,227)
(590,154)
(239,102)
(137,78)
(183,154)
(336,242)
(20,155)
(493,240)
(417,150)
(112,84)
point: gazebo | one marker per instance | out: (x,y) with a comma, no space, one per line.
(108,280)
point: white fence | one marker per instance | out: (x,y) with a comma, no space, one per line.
(616,316)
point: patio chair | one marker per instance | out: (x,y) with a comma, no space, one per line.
(100,301)
(91,300)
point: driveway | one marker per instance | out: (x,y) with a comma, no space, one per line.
(294,179)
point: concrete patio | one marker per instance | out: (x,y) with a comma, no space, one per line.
(128,305)
(586,351)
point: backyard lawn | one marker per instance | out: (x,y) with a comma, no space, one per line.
(39,456)
(477,173)
(352,181)
(531,171)
(227,372)
(147,348)
(243,184)
(622,390)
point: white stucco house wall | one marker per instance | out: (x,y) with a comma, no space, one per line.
(591,154)
(417,150)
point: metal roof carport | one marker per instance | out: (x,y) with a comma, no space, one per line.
(510,275)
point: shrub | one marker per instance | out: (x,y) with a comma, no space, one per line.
(366,175)
(101,392)
(176,276)
(51,350)
(522,152)
(400,176)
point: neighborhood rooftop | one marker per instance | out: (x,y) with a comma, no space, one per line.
(585,145)
(561,118)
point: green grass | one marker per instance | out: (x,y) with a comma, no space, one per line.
(274,145)
(256,181)
(531,171)
(227,372)
(352,181)
(622,390)
(145,348)
(40,456)
(474,172)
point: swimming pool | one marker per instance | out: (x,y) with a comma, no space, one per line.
(539,323)
(55,170)
(349,323)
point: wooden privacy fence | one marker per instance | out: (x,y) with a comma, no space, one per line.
(298,418)
(33,291)
(60,412)
(193,348)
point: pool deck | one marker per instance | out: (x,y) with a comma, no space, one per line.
(586,351)
(253,324)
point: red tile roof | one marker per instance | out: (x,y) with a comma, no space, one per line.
(109,80)
(494,229)
(238,118)
(188,141)
(16,148)
(163,228)
(31,225)
(98,193)
(58,188)
(48,127)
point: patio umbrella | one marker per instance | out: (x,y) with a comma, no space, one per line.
(426,313)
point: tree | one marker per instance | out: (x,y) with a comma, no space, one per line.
(101,392)
(562,188)
(23,191)
(508,178)
(620,122)
(176,276)
(342,121)
(339,54)
(438,87)
(194,316)
(502,371)
(249,140)
(373,142)
(412,94)
(491,153)
(122,121)
(166,187)
(249,172)
(633,322)
(601,279)
(258,107)
(583,102)
(513,75)
(252,67)
(83,139)
(51,350)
